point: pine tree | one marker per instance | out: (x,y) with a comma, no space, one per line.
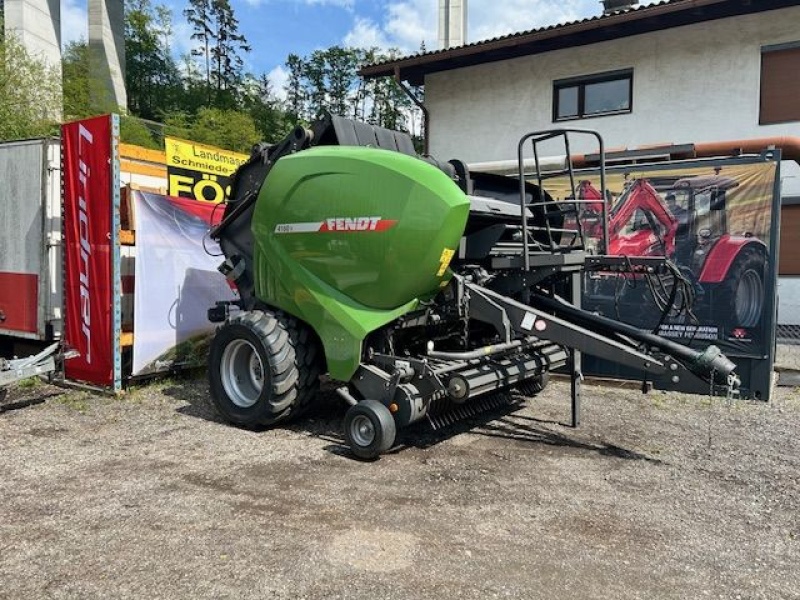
(199,16)
(295,90)
(226,53)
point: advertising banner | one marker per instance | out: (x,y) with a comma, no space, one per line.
(176,282)
(87,227)
(716,221)
(200,172)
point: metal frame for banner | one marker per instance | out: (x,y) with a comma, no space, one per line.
(116,261)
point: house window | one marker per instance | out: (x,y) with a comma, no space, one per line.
(780,85)
(593,95)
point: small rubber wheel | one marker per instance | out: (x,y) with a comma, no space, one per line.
(369,429)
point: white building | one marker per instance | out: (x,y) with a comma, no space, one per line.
(675,72)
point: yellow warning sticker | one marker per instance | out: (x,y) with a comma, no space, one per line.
(444,261)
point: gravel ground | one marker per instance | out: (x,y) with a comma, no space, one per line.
(150,496)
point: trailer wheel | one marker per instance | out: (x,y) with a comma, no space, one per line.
(263,368)
(369,429)
(741,295)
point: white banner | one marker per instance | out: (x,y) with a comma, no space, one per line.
(176,282)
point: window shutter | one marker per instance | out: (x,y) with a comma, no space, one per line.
(780,86)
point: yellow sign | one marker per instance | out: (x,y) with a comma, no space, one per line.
(198,171)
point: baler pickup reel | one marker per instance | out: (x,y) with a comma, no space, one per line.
(534,340)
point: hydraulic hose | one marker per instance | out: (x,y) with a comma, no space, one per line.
(709,364)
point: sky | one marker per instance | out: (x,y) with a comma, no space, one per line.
(277,28)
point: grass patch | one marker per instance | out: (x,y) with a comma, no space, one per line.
(30,383)
(77,401)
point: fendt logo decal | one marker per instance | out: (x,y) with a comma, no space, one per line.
(339,224)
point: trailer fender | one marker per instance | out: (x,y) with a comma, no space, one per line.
(723,254)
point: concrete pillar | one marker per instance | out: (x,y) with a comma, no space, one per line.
(36,24)
(452,23)
(107,55)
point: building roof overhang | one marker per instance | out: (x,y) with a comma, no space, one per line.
(645,19)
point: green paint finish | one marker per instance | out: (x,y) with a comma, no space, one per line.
(349,239)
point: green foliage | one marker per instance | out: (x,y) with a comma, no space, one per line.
(152,80)
(207,96)
(75,79)
(327,80)
(230,129)
(84,92)
(226,54)
(29,94)
(135,131)
(219,49)
(270,118)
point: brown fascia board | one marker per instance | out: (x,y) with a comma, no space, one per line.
(674,13)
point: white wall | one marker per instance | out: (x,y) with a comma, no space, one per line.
(789,300)
(690,84)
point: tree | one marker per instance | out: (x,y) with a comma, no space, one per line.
(199,16)
(135,131)
(228,63)
(229,129)
(328,81)
(295,90)
(341,78)
(75,81)
(30,94)
(151,76)
(271,120)
(220,45)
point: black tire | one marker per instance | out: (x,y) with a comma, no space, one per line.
(369,429)
(263,367)
(741,294)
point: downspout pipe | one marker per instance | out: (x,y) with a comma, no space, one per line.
(426,117)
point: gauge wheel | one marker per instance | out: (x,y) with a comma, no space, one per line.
(369,429)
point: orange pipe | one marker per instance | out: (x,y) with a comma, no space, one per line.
(789,146)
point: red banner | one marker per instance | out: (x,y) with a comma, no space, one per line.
(86,171)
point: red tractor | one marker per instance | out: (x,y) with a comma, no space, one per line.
(685,219)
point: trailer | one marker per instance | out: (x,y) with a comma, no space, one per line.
(30,245)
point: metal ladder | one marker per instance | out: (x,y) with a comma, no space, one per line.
(543,218)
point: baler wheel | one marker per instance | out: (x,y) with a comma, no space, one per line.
(369,429)
(263,368)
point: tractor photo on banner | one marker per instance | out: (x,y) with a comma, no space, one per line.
(716,221)
(200,172)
